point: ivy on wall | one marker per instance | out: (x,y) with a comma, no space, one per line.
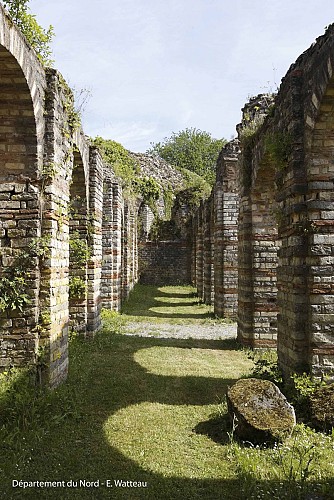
(14,286)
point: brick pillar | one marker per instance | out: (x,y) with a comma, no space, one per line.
(212,250)
(95,240)
(107,244)
(126,255)
(199,252)
(111,279)
(207,252)
(226,232)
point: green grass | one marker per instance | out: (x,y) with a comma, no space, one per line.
(172,304)
(150,410)
(131,419)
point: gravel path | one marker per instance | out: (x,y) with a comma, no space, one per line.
(213,331)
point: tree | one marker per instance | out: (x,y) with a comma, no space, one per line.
(39,38)
(193,149)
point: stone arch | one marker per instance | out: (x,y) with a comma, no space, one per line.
(22,85)
(23,82)
(305,273)
(319,225)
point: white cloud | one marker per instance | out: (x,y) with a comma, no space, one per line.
(157,66)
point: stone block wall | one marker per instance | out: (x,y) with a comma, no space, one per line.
(51,193)
(225,228)
(164,262)
(22,90)
(262,245)
(207,251)
(94,267)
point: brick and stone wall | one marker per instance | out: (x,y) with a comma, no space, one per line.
(164,262)
(225,229)
(273,220)
(22,91)
(51,193)
(261,248)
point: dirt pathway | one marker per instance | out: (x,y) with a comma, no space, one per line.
(214,331)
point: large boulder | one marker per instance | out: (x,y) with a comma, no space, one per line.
(260,412)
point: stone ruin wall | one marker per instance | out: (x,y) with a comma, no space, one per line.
(262,245)
(281,237)
(53,187)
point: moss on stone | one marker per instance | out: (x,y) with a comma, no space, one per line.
(261,410)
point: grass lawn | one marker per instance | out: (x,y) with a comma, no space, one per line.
(148,410)
(172,304)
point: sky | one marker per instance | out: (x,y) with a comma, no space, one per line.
(153,67)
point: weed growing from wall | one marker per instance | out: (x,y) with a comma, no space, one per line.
(79,252)
(14,285)
(77,288)
(278,146)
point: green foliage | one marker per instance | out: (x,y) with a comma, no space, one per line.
(119,159)
(169,197)
(128,171)
(279,146)
(26,407)
(194,191)
(322,407)
(112,321)
(79,252)
(148,189)
(13,293)
(299,389)
(193,149)
(77,287)
(292,470)
(14,285)
(73,115)
(250,126)
(164,230)
(265,365)
(39,38)
(39,247)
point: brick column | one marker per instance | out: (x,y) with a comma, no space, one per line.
(95,240)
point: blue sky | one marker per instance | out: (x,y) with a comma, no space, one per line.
(154,67)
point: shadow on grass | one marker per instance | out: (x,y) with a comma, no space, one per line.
(105,380)
(144,298)
(216,428)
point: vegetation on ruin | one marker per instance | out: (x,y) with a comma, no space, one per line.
(77,287)
(79,251)
(13,292)
(119,159)
(193,189)
(149,409)
(39,38)
(14,286)
(127,170)
(193,149)
(73,121)
(149,190)
(278,147)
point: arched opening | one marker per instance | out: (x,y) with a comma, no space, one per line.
(18,138)
(19,217)
(78,247)
(319,232)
